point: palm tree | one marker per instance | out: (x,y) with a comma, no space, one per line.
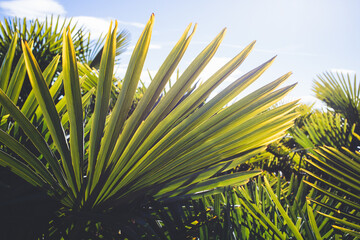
(108,163)
(46,41)
(331,140)
(341,94)
(333,162)
(46,38)
(319,201)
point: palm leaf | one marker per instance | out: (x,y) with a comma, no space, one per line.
(74,107)
(342,94)
(338,178)
(6,65)
(51,116)
(170,146)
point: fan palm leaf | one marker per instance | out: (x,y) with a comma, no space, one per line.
(338,178)
(324,129)
(168,147)
(342,94)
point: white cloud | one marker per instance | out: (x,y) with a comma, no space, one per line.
(134,24)
(343,71)
(310,100)
(285,52)
(120,70)
(32,8)
(130,49)
(145,78)
(294,50)
(155,46)
(96,26)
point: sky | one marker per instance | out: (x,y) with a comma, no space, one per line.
(308,37)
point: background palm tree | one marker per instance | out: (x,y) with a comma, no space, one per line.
(333,161)
(324,204)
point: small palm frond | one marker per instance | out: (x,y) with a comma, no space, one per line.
(95,52)
(338,179)
(340,93)
(46,37)
(275,208)
(268,207)
(324,129)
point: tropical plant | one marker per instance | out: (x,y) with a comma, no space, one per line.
(268,207)
(46,41)
(108,163)
(341,94)
(314,128)
(324,129)
(339,180)
(332,162)
(46,36)
(286,154)
(322,148)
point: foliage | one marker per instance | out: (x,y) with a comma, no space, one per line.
(268,207)
(118,161)
(314,128)
(105,161)
(324,129)
(342,95)
(339,181)
(331,140)
(322,148)
(286,154)
(47,37)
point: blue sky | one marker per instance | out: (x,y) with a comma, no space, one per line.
(308,37)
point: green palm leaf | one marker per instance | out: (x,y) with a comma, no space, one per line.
(171,145)
(102,102)
(51,116)
(324,129)
(6,65)
(341,182)
(74,107)
(342,94)
(34,135)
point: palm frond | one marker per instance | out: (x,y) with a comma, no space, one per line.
(338,179)
(342,94)
(168,147)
